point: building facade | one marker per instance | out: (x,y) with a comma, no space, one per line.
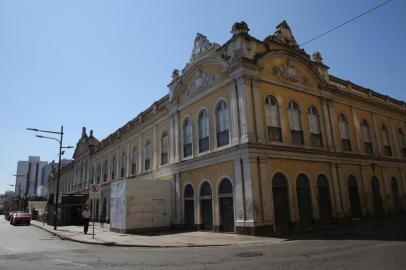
(257,136)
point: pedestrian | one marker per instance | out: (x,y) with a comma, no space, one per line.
(45,219)
(102,218)
(86,214)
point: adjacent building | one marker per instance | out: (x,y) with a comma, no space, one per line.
(31,177)
(254,136)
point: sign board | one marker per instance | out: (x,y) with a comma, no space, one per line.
(94,191)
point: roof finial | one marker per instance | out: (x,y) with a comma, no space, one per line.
(240,27)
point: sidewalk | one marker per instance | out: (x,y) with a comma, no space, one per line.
(182,239)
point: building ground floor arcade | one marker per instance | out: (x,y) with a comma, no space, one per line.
(271,193)
(260,194)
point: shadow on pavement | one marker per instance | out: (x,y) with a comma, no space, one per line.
(385,229)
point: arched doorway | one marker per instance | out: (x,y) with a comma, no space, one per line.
(189,199)
(324,200)
(226,205)
(280,202)
(376,193)
(206,207)
(396,197)
(304,201)
(354,197)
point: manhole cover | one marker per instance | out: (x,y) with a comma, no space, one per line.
(249,254)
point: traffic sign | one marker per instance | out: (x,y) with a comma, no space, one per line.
(94,191)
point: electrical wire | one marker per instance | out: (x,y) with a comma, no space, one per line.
(350,20)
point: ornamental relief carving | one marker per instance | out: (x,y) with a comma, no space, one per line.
(202,81)
(289,73)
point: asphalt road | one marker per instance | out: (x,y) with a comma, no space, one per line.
(372,245)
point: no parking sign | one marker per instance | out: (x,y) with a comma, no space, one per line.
(94,191)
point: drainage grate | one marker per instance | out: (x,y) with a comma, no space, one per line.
(249,254)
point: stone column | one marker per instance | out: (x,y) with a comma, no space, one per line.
(234,121)
(175,126)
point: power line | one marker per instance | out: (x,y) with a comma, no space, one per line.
(350,20)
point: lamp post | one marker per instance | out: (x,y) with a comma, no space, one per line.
(59,164)
(19,190)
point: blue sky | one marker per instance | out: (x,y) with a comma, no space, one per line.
(99,63)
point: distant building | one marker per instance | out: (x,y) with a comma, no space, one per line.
(31,177)
(2,197)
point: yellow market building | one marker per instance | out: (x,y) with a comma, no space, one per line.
(253,137)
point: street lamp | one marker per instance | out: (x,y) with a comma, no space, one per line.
(59,164)
(19,190)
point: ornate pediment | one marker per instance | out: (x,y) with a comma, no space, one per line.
(201,46)
(284,35)
(288,72)
(201,82)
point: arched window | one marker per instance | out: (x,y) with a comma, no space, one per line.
(366,132)
(295,124)
(123,164)
(203,131)
(105,167)
(113,168)
(345,135)
(187,137)
(222,130)
(314,124)
(385,140)
(98,173)
(402,141)
(134,160)
(147,156)
(272,119)
(164,147)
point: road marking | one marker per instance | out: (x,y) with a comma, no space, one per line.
(71,263)
(10,248)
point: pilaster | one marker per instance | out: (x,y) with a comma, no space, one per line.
(235,116)
(245,107)
(375,137)
(357,132)
(337,189)
(257,113)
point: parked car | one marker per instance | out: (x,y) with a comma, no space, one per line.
(20,218)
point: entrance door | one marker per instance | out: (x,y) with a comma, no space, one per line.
(206,207)
(396,197)
(226,206)
(377,197)
(354,197)
(324,200)
(280,203)
(304,201)
(189,208)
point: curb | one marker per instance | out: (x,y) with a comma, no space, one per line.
(63,237)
